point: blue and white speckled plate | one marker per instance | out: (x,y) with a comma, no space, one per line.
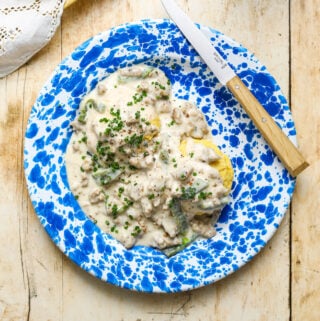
(261,190)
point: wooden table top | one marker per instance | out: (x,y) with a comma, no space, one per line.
(37,282)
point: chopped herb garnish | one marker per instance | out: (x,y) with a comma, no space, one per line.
(136,231)
(126,225)
(188,193)
(137,98)
(128,203)
(171,123)
(120,191)
(158,85)
(134,140)
(114,229)
(114,166)
(121,150)
(115,113)
(183,176)
(204,195)
(84,139)
(113,125)
(114,210)
(137,114)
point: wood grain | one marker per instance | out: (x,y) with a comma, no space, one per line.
(305,84)
(38,283)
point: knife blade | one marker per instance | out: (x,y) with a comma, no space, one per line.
(283,147)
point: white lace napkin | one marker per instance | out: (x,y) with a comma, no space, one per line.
(26,26)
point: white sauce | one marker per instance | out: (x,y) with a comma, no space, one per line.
(126,169)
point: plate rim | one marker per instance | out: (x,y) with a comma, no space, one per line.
(44,88)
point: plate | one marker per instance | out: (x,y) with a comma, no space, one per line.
(262,187)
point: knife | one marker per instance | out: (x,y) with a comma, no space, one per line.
(287,152)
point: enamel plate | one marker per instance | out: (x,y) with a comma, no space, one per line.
(261,191)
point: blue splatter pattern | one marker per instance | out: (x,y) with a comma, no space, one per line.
(261,190)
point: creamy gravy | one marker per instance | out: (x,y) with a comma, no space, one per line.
(139,164)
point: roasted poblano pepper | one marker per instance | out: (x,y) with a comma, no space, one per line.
(170,251)
(105,176)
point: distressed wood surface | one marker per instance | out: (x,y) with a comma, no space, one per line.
(305,84)
(38,283)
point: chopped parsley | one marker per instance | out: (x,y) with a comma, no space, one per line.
(128,203)
(183,176)
(137,114)
(126,225)
(188,193)
(171,123)
(158,85)
(114,210)
(136,231)
(204,195)
(137,98)
(120,191)
(114,229)
(84,139)
(134,140)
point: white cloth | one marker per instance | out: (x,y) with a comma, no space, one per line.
(26,26)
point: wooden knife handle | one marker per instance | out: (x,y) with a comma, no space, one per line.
(272,133)
(68,3)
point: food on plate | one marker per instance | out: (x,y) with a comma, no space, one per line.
(143,165)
